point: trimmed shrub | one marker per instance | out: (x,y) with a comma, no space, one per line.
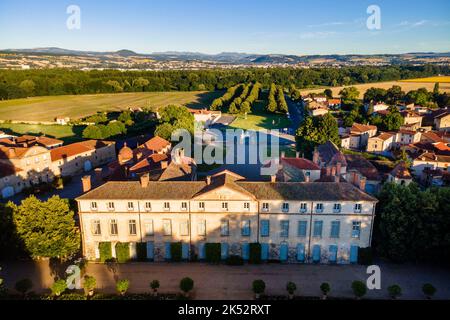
(89,284)
(105,251)
(365,256)
(235,260)
(186,284)
(258,286)
(359,288)
(213,252)
(141,251)
(428,290)
(154,285)
(58,287)
(122,286)
(394,291)
(176,251)
(72,296)
(122,252)
(325,288)
(291,287)
(255,253)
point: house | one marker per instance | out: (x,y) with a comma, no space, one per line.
(62,120)
(382,143)
(315,108)
(400,174)
(297,169)
(411,117)
(442,120)
(364,132)
(377,107)
(206,117)
(295,222)
(429,160)
(46,142)
(350,141)
(405,137)
(364,169)
(328,155)
(334,104)
(431,137)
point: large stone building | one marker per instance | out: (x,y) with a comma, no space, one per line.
(293,221)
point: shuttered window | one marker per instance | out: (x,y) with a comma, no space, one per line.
(318,225)
(265,228)
(335,229)
(302,226)
(245,228)
(284,228)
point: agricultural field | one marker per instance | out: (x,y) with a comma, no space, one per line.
(68,134)
(45,109)
(407,85)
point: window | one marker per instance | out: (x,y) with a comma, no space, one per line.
(303,207)
(265,206)
(183,206)
(148,206)
(167,227)
(201,228)
(356,229)
(94,206)
(132,227)
(111,206)
(337,208)
(166,206)
(224,228)
(284,228)
(184,228)
(307,173)
(113,229)
(302,226)
(225,206)
(130,206)
(247,206)
(358,208)
(148,227)
(96,228)
(318,228)
(265,228)
(245,228)
(319,207)
(335,229)
(285,207)
(201,205)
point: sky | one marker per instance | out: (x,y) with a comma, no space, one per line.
(209,26)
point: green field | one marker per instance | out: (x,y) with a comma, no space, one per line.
(78,106)
(66,133)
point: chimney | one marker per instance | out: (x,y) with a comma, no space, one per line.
(98,175)
(307,178)
(164,164)
(337,179)
(316,156)
(328,171)
(333,170)
(297,154)
(86,183)
(273,178)
(338,168)
(362,183)
(145,179)
(208,180)
(11,153)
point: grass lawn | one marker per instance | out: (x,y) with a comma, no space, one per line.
(78,106)
(66,133)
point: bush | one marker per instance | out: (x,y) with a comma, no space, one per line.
(394,291)
(359,288)
(176,251)
(186,284)
(213,252)
(258,286)
(105,251)
(235,260)
(122,252)
(325,288)
(428,290)
(255,253)
(59,287)
(365,256)
(291,287)
(154,285)
(24,285)
(72,296)
(89,284)
(141,251)
(122,286)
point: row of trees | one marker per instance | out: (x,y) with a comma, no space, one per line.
(243,104)
(102,131)
(222,103)
(27,83)
(276,102)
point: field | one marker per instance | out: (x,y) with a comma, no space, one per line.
(442,79)
(66,133)
(45,109)
(407,85)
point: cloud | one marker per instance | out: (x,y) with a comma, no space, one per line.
(316,35)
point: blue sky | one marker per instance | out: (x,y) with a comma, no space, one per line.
(209,26)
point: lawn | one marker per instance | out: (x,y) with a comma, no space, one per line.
(78,106)
(66,133)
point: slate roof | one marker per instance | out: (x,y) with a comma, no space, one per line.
(363,166)
(401,171)
(329,153)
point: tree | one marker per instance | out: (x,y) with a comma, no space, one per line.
(89,285)
(10,243)
(93,132)
(428,290)
(359,289)
(394,95)
(58,287)
(154,285)
(394,291)
(186,285)
(325,288)
(375,94)
(291,287)
(114,85)
(140,83)
(419,97)
(47,228)
(328,93)
(436,89)
(393,120)
(172,118)
(23,286)
(28,87)
(349,94)
(115,128)
(258,287)
(122,286)
(126,118)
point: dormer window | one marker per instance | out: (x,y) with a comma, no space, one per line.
(201,206)
(148,206)
(111,206)
(247,206)
(225,206)
(319,207)
(337,208)
(358,208)
(265,207)
(166,206)
(303,207)
(94,206)
(285,207)
(183,206)
(130,206)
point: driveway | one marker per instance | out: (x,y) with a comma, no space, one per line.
(234,282)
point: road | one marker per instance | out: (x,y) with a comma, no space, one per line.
(295,112)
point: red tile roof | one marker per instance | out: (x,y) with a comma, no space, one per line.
(77,148)
(300,163)
(361,128)
(401,171)
(156,144)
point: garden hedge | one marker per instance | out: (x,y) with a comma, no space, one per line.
(122,252)
(105,251)
(175,251)
(141,251)
(213,252)
(255,253)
